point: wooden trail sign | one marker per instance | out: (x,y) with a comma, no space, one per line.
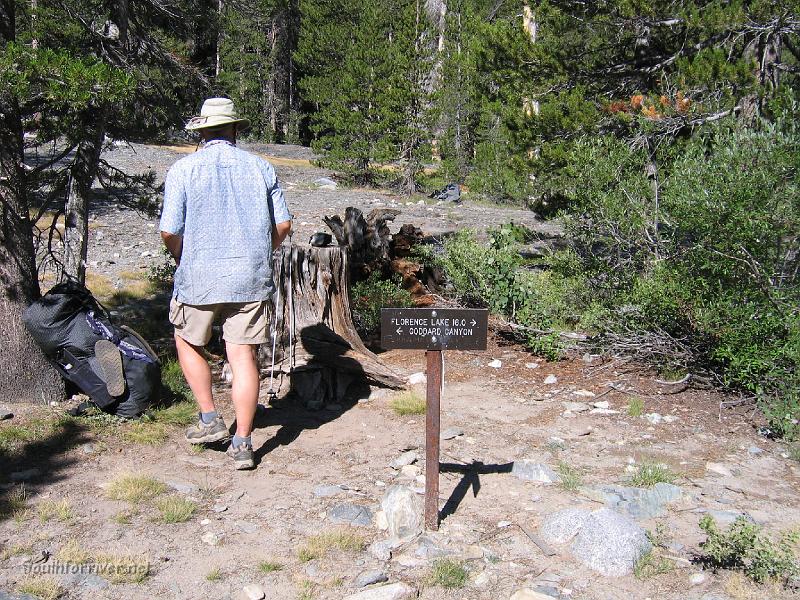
(433,330)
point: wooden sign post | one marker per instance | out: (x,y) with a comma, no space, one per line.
(433,330)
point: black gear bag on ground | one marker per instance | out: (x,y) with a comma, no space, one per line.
(67,322)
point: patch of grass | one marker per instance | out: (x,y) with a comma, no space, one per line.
(214,575)
(173,380)
(306,590)
(175,509)
(122,518)
(44,588)
(179,413)
(101,286)
(15,504)
(15,550)
(72,552)
(135,488)
(123,568)
(146,433)
(448,573)
(14,436)
(649,474)
(794,453)
(318,545)
(660,536)
(268,566)
(571,477)
(52,509)
(408,403)
(651,565)
(635,407)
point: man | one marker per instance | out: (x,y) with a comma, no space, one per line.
(224,214)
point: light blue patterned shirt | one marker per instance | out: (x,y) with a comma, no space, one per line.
(224,202)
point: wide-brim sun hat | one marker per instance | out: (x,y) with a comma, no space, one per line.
(217,112)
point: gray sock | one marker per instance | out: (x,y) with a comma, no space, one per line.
(208,417)
(238,441)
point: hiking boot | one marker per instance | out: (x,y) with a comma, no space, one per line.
(242,456)
(205,433)
(110,361)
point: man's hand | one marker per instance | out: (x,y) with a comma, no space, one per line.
(279,233)
(174,244)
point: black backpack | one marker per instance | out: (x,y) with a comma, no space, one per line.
(67,322)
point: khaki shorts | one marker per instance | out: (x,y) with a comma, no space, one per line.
(242,323)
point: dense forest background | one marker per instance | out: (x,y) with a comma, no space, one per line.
(663,133)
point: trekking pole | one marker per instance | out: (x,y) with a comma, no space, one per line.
(272,395)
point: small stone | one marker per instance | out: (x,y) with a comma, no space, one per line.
(417,378)
(392,591)
(403,512)
(653,418)
(325,183)
(246,527)
(380,550)
(531,365)
(577,407)
(183,488)
(495,364)
(146,254)
(370,578)
(728,517)
(350,514)
(5,414)
(698,578)
(503,524)
(529,594)
(452,432)
(205,522)
(406,458)
(603,411)
(603,404)
(670,418)
(550,379)
(211,538)
(254,592)
(326,491)
(752,450)
(485,579)
(410,471)
(88,449)
(586,394)
(529,470)
(219,508)
(718,469)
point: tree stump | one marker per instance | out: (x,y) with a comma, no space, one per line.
(318,353)
(366,239)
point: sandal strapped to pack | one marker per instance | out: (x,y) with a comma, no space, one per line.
(110,361)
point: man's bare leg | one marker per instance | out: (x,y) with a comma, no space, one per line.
(197,373)
(244,390)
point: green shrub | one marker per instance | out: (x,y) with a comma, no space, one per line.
(745,548)
(373,294)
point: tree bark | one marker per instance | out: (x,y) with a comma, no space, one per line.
(25,375)
(319,357)
(366,239)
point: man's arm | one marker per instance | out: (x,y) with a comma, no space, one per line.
(174,244)
(279,233)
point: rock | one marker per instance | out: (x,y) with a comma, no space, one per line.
(585,394)
(350,514)
(246,527)
(728,517)
(88,581)
(5,414)
(486,579)
(183,488)
(577,407)
(638,503)
(653,418)
(254,592)
(528,594)
(698,578)
(219,508)
(370,578)
(88,449)
(417,378)
(403,512)
(452,432)
(718,469)
(602,404)
(550,379)
(326,491)
(381,522)
(6,596)
(325,183)
(560,527)
(529,470)
(610,543)
(382,549)
(205,522)
(531,365)
(495,364)
(406,458)
(670,418)
(603,411)
(752,450)
(410,471)
(211,538)
(393,591)
(24,475)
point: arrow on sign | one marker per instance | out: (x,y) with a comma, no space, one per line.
(474,322)
(399,330)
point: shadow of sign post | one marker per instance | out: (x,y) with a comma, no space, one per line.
(433,330)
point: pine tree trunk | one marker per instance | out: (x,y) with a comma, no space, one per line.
(319,356)
(25,375)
